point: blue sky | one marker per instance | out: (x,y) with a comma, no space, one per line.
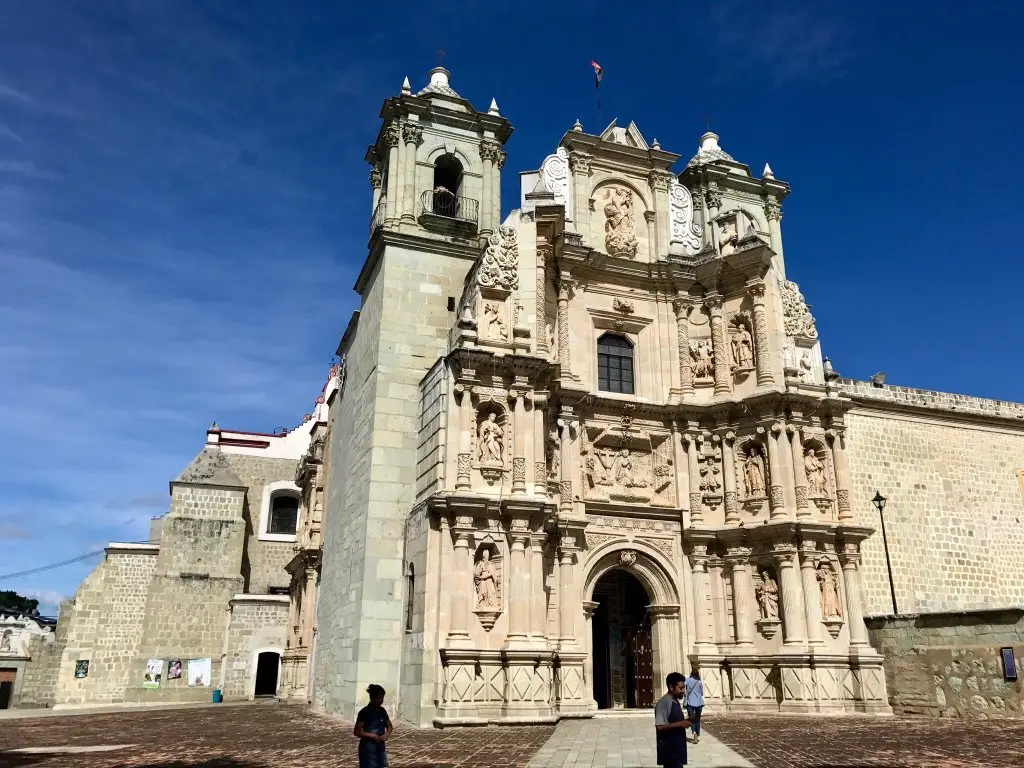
(183,201)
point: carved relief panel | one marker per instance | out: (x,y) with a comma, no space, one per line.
(627,464)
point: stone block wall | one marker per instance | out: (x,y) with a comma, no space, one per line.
(432,430)
(105,627)
(255,626)
(265,560)
(955,505)
(403,330)
(948,664)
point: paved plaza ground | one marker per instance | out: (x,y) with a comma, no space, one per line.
(289,736)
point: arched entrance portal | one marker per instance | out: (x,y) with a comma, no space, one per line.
(268,664)
(622,647)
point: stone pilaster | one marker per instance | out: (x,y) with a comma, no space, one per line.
(812,594)
(565,286)
(732,498)
(538,609)
(544,252)
(412,134)
(579,164)
(713,302)
(703,614)
(693,466)
(660,181)
(776,494)
(465,457)
(519,583)
(458,633)
(540,464)
(392,137)
(566,426)
(850,559)
(796,446)
(738,559)
(793,616)
(652,233)
(566,606)
(376,181)
(773,212)
(491,155)
(682,309)
(762,355)
(518,441)
(842,475)
(713,198)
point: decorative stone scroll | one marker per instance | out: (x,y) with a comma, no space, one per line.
(555,173)
(799,321)
(680,215)
(499,267)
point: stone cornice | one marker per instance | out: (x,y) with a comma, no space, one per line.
(948,407)
(469,250)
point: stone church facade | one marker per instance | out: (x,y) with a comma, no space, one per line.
(597,441)
(565,453)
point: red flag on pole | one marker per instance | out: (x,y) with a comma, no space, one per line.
(598,72)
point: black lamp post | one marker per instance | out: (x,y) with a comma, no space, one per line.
(879,501)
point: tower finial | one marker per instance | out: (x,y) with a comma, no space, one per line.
(767,172)
(493,110)
(577,126)
(406,87)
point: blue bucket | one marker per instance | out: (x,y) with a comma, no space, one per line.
(218,697)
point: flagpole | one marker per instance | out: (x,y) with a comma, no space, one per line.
(598,74)
(598,89)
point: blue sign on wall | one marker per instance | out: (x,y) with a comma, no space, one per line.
(1009,664)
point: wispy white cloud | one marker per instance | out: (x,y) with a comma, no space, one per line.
(785,41)
(14,531)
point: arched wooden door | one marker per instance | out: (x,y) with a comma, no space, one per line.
(643,658)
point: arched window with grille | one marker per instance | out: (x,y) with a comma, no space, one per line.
(284,514)
(615,364)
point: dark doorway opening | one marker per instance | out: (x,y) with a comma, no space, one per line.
(622,645)
(267,666)
(7,677)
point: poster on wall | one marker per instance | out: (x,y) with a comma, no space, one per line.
(199,673)
(174,669)
(154,671)
(82,668)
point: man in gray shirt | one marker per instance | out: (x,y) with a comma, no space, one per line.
(670,724)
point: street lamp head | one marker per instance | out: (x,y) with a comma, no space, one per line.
(879,501)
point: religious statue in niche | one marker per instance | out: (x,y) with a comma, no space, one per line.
(742,342)
(815,469)
(619,234)
(805,371)
(491,438)
(767,591)
(727,236)
(710,481)
(703,355)
(753,473)
(831,608)
(486,577)
(494,325)
(554,461)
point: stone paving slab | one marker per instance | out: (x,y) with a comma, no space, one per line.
(624,742)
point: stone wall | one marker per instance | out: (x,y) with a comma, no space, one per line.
(264,560)
(432,430)
(39,686)
(403,329)
(949,466)
(949,664)
(105,627)
(256,625)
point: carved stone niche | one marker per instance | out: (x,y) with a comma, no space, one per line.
(818,471)
(495,318)
(831,602)
(752,470)
(702,357)
(709,463)
(627,465)
(741,344)
(487,584)
(766,590)
(731,227)
(493,439)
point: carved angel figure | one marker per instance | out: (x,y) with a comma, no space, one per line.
(494,326)
(485,577)
(490,437)
(5,641)
(619,236)
(753,475)
(742,347)
(767,590)
(703,358)
(829,586)
(815,470)
(805,371)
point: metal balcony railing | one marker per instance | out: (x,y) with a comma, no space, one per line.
(377,220)
(441,202)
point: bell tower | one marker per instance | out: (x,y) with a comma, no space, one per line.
(436,178)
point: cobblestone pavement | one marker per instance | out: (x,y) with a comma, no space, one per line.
(262,736)
(289,736)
